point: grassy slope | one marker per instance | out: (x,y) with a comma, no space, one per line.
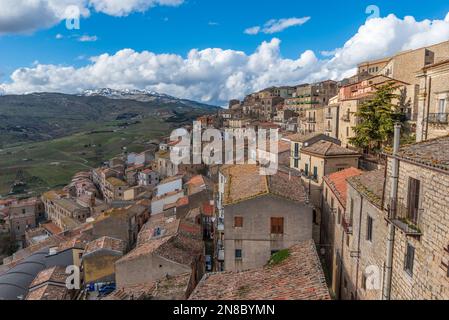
(50,164)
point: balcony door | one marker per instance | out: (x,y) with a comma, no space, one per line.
(413,199)
(442,116)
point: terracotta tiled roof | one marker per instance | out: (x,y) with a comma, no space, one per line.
(169,243)
(168,288)
(106,243)
(197,181)
(433,153)
(48,292)
(244,182)
(338,183)
(52,228)
(167,226)
(116,182)
(144,249)
(328,149)
(288,186)
(298,277)
(54,274)
(371,185)
(297,137)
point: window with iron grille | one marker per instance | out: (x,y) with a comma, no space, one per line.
(409,259)
(277,225)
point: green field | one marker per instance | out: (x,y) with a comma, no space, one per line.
(51,164)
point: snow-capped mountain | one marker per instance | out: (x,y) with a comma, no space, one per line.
(125,93)
(143,96)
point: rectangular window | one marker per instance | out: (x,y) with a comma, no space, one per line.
(339,216)
(306,169)
(277,225)
(409,259)
(315,173)
(369,229)
(413,200)
(238,254)
(296,164)
(296,150)
(238,222)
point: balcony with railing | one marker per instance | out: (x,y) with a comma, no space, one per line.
(404,217)
(328,129)
(439,118)
(328,116)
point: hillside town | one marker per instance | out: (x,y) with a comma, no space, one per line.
(342,218)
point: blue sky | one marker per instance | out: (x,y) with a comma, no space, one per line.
(202,24)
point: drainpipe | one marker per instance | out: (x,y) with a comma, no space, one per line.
(426,119)
(358,249)
(393,206)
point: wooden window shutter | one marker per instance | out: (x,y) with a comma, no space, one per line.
(277,225)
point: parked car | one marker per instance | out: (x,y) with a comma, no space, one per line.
(106,290)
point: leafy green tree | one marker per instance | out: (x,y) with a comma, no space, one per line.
(376,119)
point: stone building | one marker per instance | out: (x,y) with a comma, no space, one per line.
(259,216)
(433,102)
(352,96)
(320,159)
(122,223)
(164,248)
(99,259)
(421,220)
(22,216)
(335,191)
(298,141)
(366,233)
(65,212)
(404,65)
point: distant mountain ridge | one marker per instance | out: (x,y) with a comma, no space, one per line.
(46,116)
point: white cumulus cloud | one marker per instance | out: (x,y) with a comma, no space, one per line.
(216,75)
(26,16)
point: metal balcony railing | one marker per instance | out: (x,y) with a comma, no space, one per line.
(311,120)
(329,116)
(405,218)
(439,118)
(328,129)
